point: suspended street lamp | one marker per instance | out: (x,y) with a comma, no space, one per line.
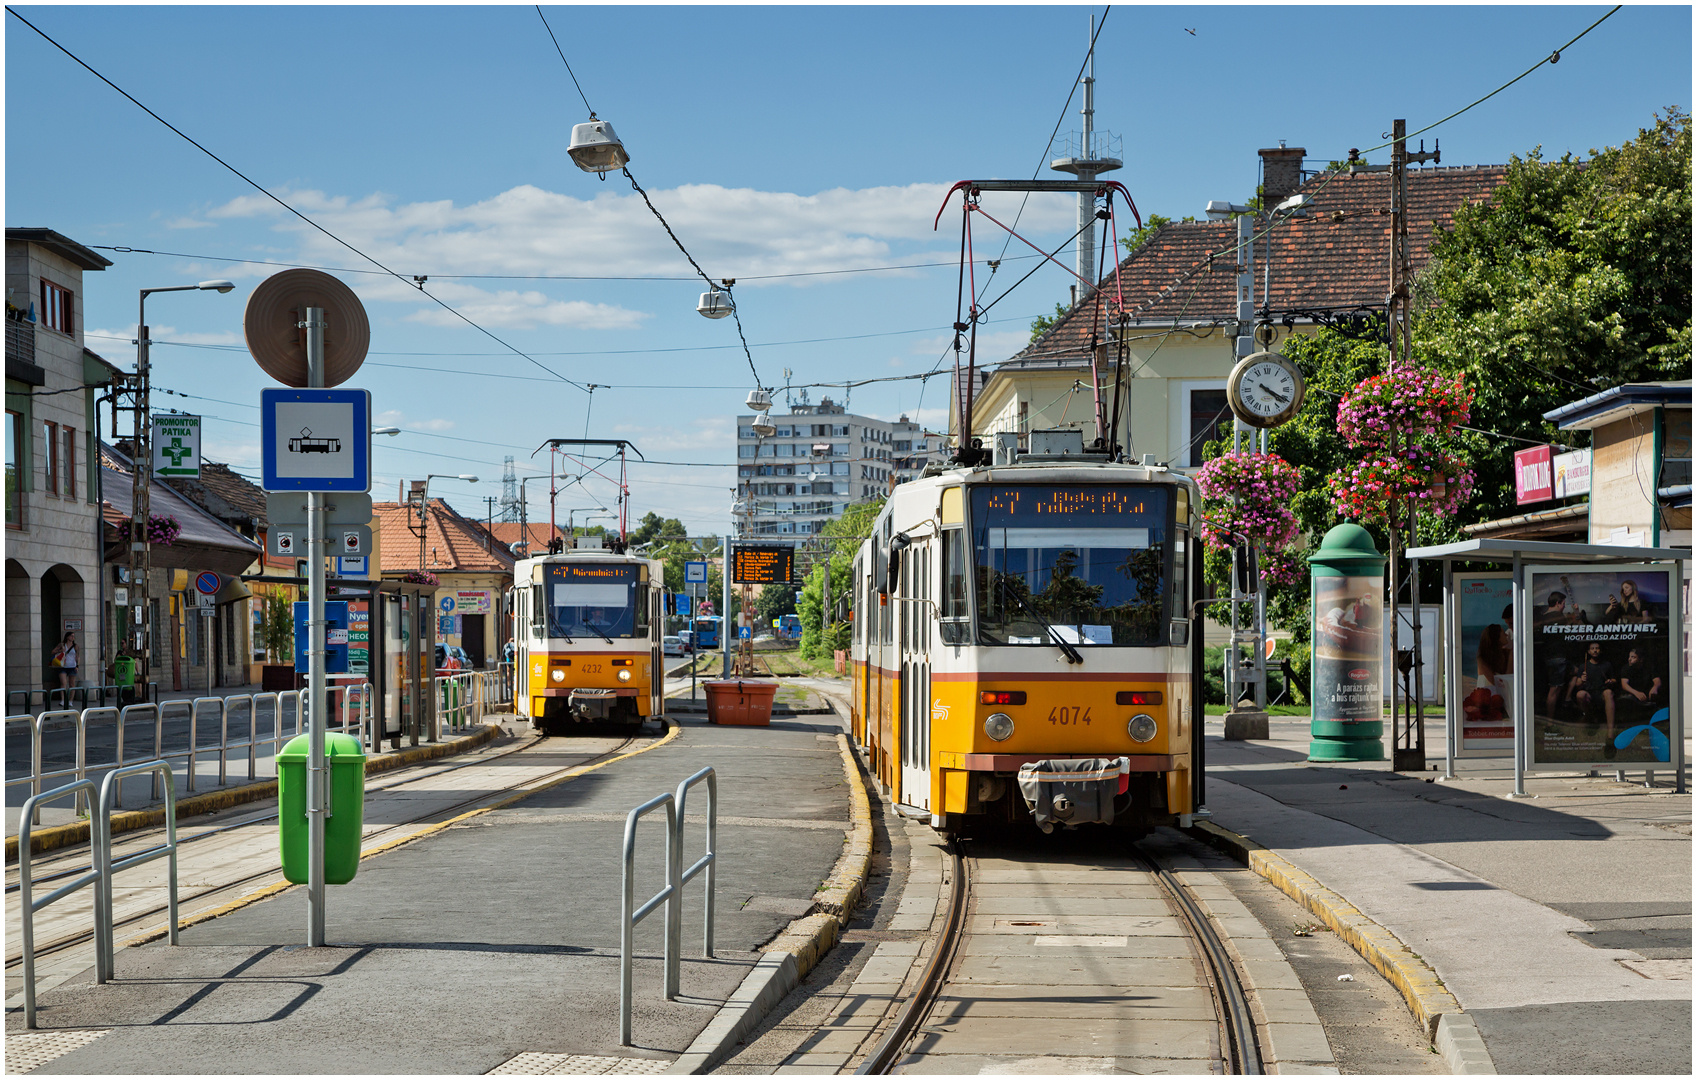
(595,148)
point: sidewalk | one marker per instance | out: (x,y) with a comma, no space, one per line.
(1560,923)
(494,937)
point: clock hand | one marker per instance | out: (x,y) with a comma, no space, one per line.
(1281,398)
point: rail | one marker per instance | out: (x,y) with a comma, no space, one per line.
(885,1054)
(672,894)
(29,905)
(628,918)
(681,877)
(116,692)
(103,946)
(351,712)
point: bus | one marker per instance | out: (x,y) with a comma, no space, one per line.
(706,630)
(789,627)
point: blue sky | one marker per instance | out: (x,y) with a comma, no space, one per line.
(776,141)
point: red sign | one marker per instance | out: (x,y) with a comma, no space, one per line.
(1534,480)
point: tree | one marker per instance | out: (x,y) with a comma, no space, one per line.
(1042,323)
(1575,277)
(822,632)
(277,628)
(774,600)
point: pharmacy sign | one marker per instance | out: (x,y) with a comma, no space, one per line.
(176,445)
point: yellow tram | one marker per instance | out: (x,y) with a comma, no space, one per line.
(587,634)
(1016,624)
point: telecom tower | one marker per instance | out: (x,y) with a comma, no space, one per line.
(1086,165)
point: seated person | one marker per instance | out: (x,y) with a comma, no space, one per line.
(1640,686)
(1593,682)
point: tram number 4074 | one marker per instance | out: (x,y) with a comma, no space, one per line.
(1069,714)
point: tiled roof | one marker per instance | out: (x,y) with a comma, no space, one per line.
(508,534)
(241,495)
(452,544)
(1338,256)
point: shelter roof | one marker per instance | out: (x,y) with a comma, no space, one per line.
(1620,402)
(61,245)
(1543,551)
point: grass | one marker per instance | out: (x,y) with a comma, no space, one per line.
(781,662)
(1272,710)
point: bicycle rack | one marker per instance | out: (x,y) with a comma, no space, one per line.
(103,945)
(28,905)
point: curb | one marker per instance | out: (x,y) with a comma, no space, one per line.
(267,891)
(1452,1032)
(58,836)
(801,945)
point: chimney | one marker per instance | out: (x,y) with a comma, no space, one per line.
(1281,173)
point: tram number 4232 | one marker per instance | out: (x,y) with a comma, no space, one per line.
(1069,714)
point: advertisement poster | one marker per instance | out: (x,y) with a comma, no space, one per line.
(1484,660)
(1349,626)
(1601,654)
(359,637)
(471,602)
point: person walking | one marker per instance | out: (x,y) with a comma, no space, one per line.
(65,663)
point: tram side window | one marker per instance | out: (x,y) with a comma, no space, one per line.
(538,609)
(640,607)
(955,627)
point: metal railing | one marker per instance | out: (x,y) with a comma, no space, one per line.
(29,905)
(350,711)
(454,705)
(24,700)
(671,895)
(101,870)
(628,918)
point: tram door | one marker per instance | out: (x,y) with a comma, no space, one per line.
(912,626)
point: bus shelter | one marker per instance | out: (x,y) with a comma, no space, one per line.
(1569,656)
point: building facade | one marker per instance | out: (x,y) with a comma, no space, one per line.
(820,460)
(474,573)
(1179,292)
(53,520)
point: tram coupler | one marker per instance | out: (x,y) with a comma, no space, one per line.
(1073,791)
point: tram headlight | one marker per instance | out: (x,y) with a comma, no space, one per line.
(1141,728)
(558,675)
(624,674)
(998,726)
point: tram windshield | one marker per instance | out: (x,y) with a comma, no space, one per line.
(595,601)
(1084,563)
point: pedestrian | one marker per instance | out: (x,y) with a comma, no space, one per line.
(65,661)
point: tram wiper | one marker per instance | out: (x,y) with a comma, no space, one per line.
(1073,655)
(599,632)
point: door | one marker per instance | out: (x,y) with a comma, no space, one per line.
(915,718)
(471,637)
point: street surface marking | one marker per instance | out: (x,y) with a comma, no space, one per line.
(33,1049)
(1080,941)
(534,1064)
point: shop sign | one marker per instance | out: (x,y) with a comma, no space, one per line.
(1532,480)
(1572,473)
(471,602)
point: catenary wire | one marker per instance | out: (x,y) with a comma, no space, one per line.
(563,59)
(257,187)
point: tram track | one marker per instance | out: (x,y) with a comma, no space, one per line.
(220,895)
(1238,1047)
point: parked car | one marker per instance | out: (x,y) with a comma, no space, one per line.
(671,645)
(452,658)
(688,639)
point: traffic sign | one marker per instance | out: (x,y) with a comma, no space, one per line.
(351,566)
(683,603)
(315,440)
(288,508)
(339,540)
(695,573)
(207,582)
(447,603)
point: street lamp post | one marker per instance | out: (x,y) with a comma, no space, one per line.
(424,507)
(141,476)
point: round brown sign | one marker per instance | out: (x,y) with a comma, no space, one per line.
(271,323)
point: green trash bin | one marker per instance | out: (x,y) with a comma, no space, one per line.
(346,804)
(124,670)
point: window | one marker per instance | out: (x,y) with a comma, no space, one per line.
(745,451)
(14,465)
(68,466)
(786,450)
(745,433)
(1208,410)
(786,470)
(746,470)
(1196,409)
(56,307)
(50,460)
(783,433)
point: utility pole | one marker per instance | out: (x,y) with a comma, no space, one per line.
(1087,166)
(1408,718)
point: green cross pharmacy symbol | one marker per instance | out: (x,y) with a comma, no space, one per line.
(176,452)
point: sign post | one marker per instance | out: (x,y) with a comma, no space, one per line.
(314,440)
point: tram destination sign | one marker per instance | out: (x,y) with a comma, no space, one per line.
(762,564)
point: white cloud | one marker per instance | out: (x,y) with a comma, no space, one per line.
(188,223)
(437,424)
(732,232)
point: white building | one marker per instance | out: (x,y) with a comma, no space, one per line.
(819,461)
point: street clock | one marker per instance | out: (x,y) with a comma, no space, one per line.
(1265,390)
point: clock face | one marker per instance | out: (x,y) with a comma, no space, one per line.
(1266,390)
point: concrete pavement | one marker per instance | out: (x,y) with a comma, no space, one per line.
(1561,924)
(493,938)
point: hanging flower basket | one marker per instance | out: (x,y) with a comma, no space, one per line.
(1250,495)
(1407,401)
(163,529)
(1282,568)
(421,577)
(1380,487)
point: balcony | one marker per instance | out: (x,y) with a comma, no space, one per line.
(20,352)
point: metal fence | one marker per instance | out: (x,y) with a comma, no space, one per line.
(101,869)
(350,713)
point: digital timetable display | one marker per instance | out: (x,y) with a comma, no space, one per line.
(1078,502)
(762,565)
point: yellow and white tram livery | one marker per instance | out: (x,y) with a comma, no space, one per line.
(587,632)
(1022,645)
